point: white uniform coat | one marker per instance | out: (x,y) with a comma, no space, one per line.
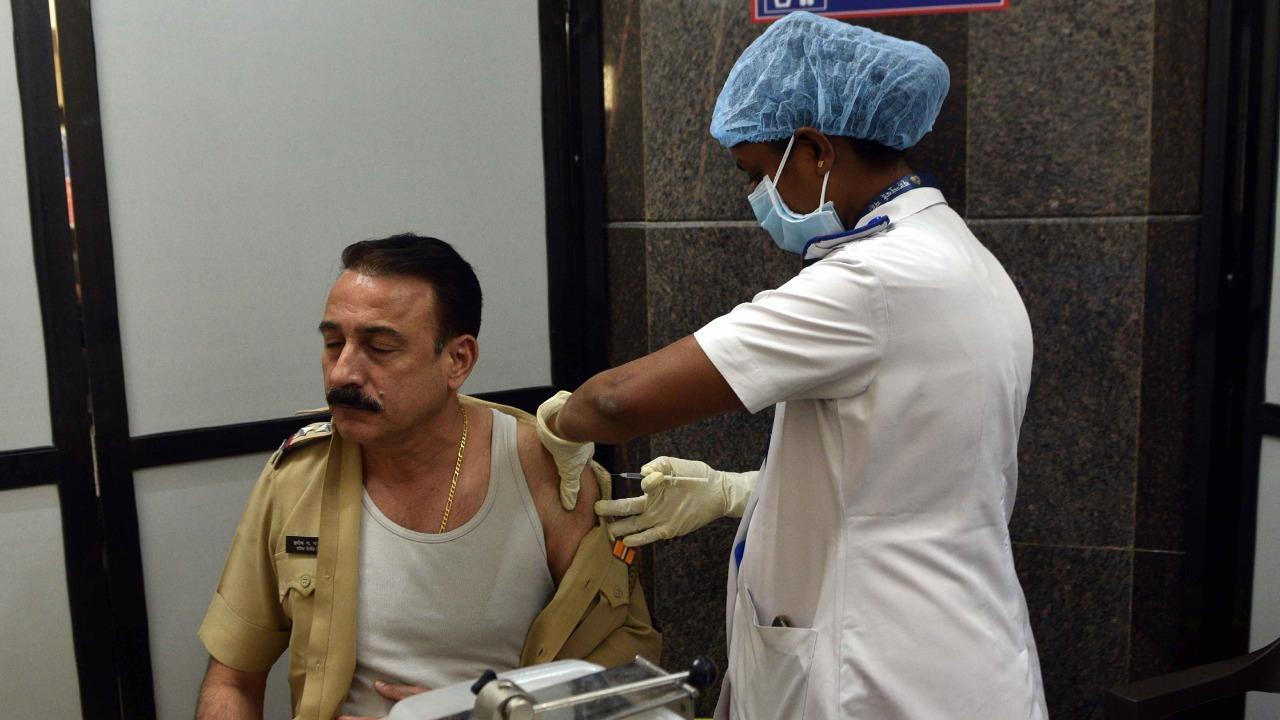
(878,529)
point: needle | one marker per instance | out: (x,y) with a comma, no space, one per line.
(674,479)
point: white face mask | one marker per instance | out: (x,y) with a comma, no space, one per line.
(791,231)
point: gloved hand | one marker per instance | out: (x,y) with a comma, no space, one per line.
(671,508)
(571,457)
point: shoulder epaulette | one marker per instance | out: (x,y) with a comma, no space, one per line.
(302,437)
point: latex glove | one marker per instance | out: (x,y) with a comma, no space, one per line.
(571,457)
(671,508)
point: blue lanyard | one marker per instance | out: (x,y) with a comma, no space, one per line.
(910,181)
(907,182)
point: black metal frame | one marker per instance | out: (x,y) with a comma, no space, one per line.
(1232,315)
(209,443)
(573,153)
(82,338)
(70,463)
(29,468)
(118,513)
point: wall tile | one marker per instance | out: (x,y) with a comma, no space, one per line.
(736,442)
(698,273)
(1082,285)
(943,152)
(1168,350)
(1078,601)
(688,52)
(1056,110)
(631,456)
(1060,109)
(690,576)
(1177,105)
(1157,611)
(628,287)
(624,110)
(689,48)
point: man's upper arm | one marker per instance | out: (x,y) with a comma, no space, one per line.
(562,529)
(245,627)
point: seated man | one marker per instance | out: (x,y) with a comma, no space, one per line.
(418,538)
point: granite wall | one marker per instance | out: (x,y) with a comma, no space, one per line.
(1071,142)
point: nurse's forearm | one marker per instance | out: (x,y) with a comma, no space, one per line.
(674,386)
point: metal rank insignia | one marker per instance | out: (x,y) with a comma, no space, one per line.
(313,430)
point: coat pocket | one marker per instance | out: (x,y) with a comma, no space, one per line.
(770,665)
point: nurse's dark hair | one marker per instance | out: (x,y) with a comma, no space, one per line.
(458,297)
(871,152)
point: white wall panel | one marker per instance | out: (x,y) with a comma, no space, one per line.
(22,352)
(1265,623)
(187,515)
(37,657)
(1273,336)
(246,143)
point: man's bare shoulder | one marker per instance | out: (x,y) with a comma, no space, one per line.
(562,529)
(544,480)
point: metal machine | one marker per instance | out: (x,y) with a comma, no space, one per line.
(567,690)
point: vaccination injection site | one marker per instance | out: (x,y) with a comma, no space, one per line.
(841,360)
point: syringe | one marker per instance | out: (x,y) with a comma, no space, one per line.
(673,479)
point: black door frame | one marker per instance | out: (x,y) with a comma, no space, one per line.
(1234,287)
(75,269)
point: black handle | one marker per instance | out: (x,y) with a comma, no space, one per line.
(488,677)
(702,672)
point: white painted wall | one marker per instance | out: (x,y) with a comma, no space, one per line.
(247,143)
(37,658)
(1264,625)
(22,351)
(187,515)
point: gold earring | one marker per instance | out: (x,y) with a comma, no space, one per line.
(820,164)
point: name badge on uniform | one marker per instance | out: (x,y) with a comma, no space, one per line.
(301,544)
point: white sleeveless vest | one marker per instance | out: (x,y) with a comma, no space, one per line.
(436,609)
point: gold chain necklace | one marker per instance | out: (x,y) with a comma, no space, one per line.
(457,470)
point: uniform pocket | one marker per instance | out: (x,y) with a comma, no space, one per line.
(296,577)
(296,581)
(770,665)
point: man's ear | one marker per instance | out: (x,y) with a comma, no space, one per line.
(462,352)
(817,151)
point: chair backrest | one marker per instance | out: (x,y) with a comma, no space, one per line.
(1161,696)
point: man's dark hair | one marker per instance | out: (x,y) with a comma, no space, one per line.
(458,297)
(871,152)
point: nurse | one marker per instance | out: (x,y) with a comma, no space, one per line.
(871,576)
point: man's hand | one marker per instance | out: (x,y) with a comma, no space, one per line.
(671,508)
(571,457)
(394,693)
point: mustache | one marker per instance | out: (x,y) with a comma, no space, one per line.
(350,396)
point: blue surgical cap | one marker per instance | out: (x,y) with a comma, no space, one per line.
(846,80)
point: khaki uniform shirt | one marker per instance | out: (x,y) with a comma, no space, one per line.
(291,577)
